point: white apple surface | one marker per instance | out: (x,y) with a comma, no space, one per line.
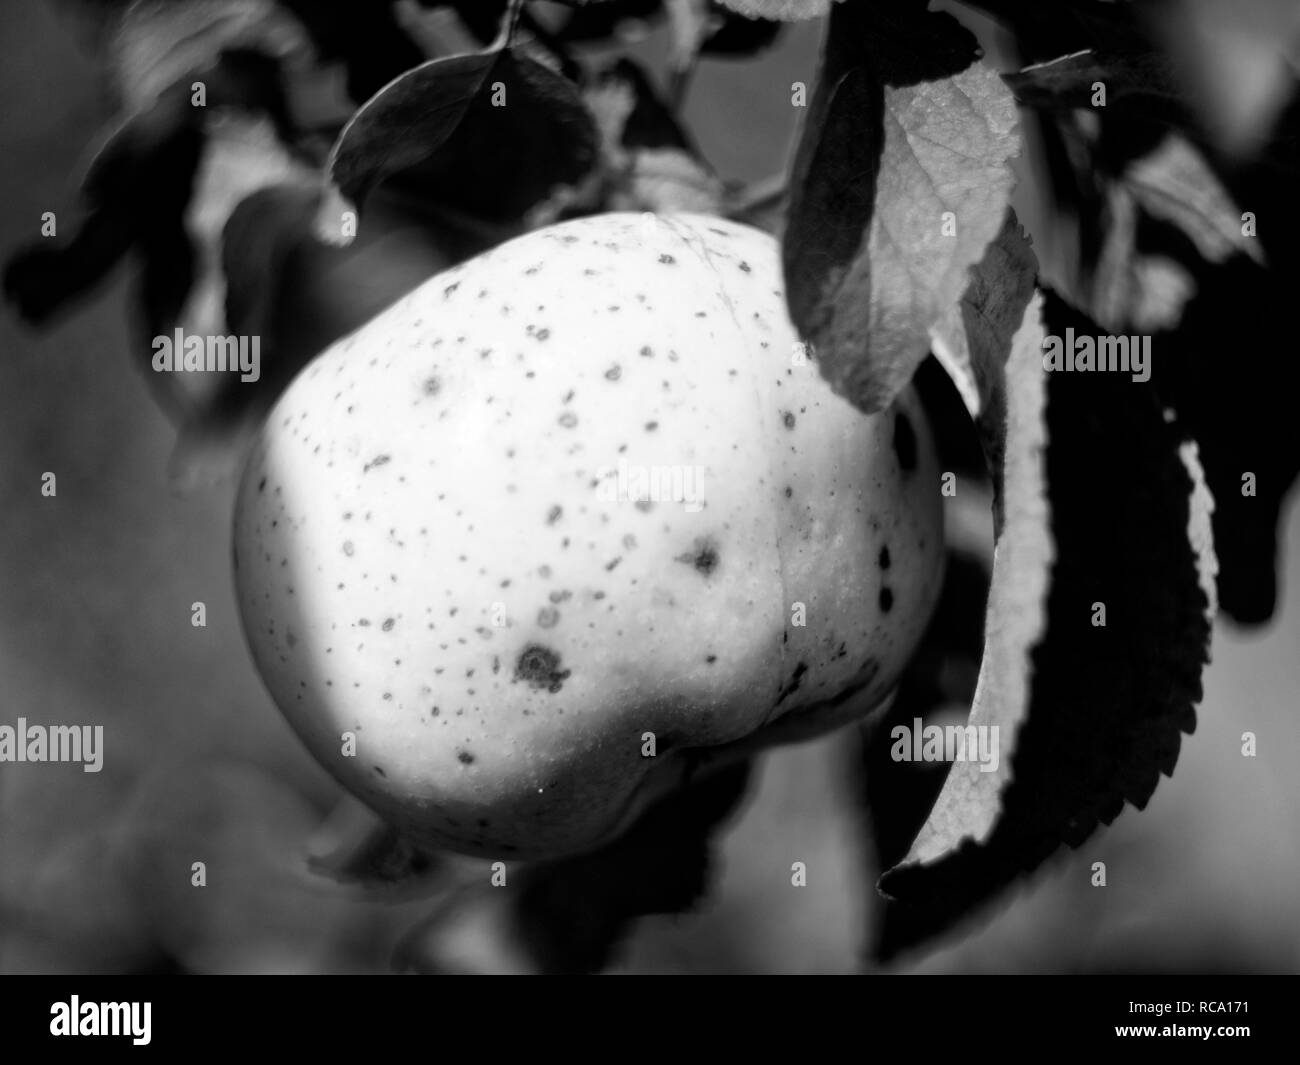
(570,516)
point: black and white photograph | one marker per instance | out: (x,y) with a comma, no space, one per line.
(650,487)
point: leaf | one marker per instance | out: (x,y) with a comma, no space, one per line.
(1138,82)
(136,191)
(1174,184)
(1088,715)
(164,183)
(498,131)
(899,184)
(569,916)
(974,335)
(157,43)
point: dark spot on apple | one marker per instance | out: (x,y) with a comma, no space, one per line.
(539,667)
(704,557)
(388,624)
(886,600)
(553,515)
(614,372)
(379,771)
(378,460)
(568,419)
(667,259)
(261,485)
(548,617)
(465,757)
(432,386)
(787,419)
(904,442)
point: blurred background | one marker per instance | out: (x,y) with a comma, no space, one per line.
(96,588)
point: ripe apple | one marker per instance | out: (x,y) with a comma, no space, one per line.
(569,519)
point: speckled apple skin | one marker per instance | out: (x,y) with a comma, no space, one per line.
(433,552)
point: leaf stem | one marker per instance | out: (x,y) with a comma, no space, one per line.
(509,21)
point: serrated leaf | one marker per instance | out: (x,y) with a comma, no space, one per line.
(900,182)
(1089,715)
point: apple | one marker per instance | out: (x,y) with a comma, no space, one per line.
(571,520)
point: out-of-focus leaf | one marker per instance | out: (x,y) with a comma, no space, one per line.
(1089,713)
(1174,184)
(137,192)
(160,42)
(569,916)
(900,182)
(1136,82)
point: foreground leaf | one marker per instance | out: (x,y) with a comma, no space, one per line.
(1089,707)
